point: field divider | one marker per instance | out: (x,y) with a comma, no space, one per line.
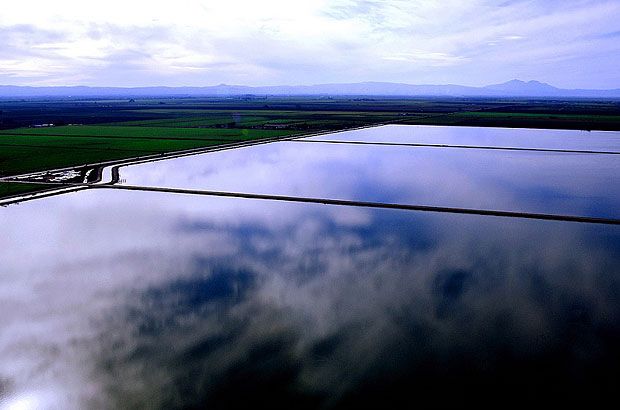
(364,204)
(481,147)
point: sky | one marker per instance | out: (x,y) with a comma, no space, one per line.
(567,43)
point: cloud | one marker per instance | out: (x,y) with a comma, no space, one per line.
(280,42)
(427,58)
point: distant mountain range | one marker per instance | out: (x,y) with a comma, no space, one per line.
(514,88)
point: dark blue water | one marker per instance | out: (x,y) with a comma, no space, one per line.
(146,300)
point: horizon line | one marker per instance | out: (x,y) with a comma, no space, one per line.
(518,81)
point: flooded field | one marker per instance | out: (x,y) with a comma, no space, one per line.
(135,299)
(525,181)
(477,136)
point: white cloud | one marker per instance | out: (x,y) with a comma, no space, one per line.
(425,57)
(196,42)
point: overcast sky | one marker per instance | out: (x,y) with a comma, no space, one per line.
(568,43)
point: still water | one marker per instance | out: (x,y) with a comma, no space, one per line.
(487,136)
(116,299)
(146,300)
(542,182)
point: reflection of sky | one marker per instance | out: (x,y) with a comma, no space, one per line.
(560,183)
(117,299)
(485,136)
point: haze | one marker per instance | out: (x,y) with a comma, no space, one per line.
(197,43)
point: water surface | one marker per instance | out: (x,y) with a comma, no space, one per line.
(130,299)
(484,136)
(542,182)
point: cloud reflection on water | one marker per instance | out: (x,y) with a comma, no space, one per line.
(569,184)
(152,300)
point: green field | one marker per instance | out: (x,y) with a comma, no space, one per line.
(156,133)
(12,189)
(300,120)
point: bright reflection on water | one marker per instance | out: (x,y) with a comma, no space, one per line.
(557,183)
(127,299)
(485,136)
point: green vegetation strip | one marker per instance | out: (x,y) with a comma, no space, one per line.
(566,117)
(99,131)
(519,120)
(8,189)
